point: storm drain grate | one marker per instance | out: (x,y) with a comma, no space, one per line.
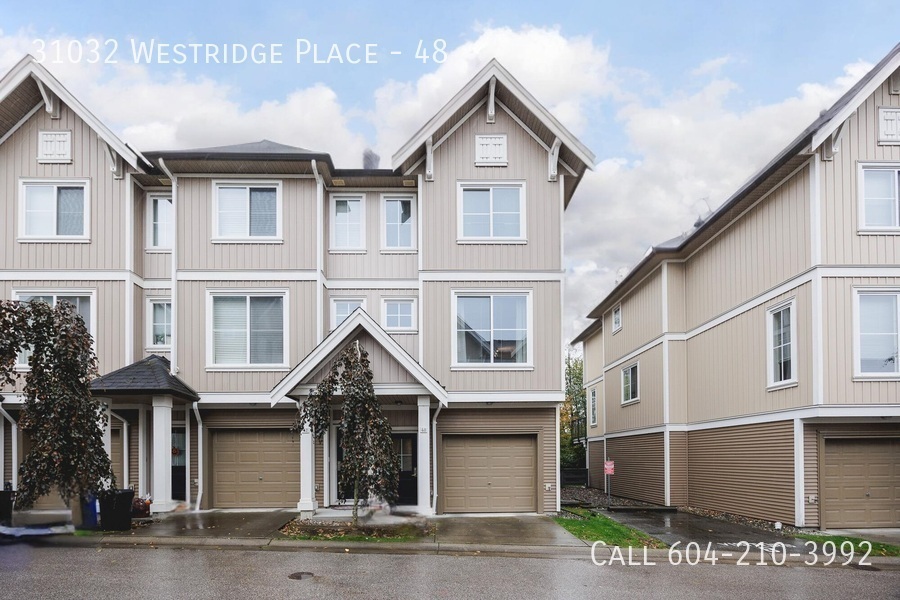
(300,575)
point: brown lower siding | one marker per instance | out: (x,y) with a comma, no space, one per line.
(539,421)
(640,471)
(746,470)
(678,468)
(596,456)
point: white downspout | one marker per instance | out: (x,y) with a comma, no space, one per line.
(199,456)
(434,474)
(125,453)
(14,476)
(173,353)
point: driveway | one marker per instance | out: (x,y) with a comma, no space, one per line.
(520,531)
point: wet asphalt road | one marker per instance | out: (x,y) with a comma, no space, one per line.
(28,572)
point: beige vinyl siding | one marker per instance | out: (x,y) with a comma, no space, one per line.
(676,295)
(196,212)
(596,457)
(193,489)
(593,357)
(842,243)
(454,161)
(385,368)
(545,342)
(301,336)
(158,265)
(767,246)
(746,470)
(678,382)
(18,159)
(139,223)
(678,468)
(838,342)
(810,474)
(641,319)
(374,262)
(600,426)
(648,411)
(539,421)
(726,365)
(640,473)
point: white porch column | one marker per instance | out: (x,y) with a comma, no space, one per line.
(161,460)
(423,468)
(307,504)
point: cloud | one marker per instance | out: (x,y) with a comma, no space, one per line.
(711,66)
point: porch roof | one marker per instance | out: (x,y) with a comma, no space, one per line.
(148,376)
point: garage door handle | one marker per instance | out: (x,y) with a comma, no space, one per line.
(867,494)
(260,477)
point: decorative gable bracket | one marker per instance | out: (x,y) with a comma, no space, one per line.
(553,160)
(895,83)
(492,100)
(832,145)
(51,101)
(116,164)
(429,159)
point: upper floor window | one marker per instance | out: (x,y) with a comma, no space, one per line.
(348,223)
(781,336)
(341,308)
(247,211)
(399,314)
(54,147)
(492,328)
(81,300)
(593,407)
(491,212)
(159,223)
(490,150)
(630,384)
(53,210)
(160,323)
(617,318)
(399,219)
(878,332)
(247,330)
(880,206)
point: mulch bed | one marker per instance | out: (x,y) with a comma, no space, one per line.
(339,529)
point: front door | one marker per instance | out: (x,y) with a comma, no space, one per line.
(405,448)
(179,464)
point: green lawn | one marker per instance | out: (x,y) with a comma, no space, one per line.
(877,548)
(599,528)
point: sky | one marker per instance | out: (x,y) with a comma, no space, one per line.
(680,102)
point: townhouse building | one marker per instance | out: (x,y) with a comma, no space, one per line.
(750,365)
(220,284)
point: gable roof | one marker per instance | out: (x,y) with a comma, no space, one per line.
(785,162)
(18,86)
(359,320)
(148,376)
(263,149)
(475,88)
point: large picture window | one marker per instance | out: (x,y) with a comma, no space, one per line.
(878,335)
(54,210)
(81,300)
(248,330)
(247,211)
(492,329)
(880,193)
(491,212)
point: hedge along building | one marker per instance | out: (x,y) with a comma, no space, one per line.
(220,283)
(750,365)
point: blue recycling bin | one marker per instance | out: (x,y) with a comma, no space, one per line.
(88,512)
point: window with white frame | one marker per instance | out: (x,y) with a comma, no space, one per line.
(81,301)
(630,384)
(492,328)
(399,219)
(160,323)
(490,150)
(878,334)
(159,223)
(53,210)
(593,407)
(248,211)
(491,212)
(617,318)
(880,193)
(341,308)
(781,335)
(348,223)
(399,314)
(247,329)
(54,147)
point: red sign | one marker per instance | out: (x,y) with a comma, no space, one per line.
(609,467)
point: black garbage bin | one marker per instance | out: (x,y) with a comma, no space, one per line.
(115,510)
(7,498)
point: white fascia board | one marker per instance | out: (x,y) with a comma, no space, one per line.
(250,275)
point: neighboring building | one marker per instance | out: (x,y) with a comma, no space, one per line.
(220,283)
(750,366)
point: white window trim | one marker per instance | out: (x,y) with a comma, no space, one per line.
(19,292)
(247,239)
(85,183)
(384,302)
(773,385)
(862,228)
(385,249)
(637,398)
(491,163)
(522,238)
(332,204)
(528,365)
(286,338)
(148,235)
(857,371)
(148,329)
(616,308)
(592,407)
(336,299)
(48,160)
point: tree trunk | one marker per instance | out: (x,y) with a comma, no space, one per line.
(355,503)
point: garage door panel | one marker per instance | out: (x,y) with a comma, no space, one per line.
(489,473)
(860,484)
(255,469)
